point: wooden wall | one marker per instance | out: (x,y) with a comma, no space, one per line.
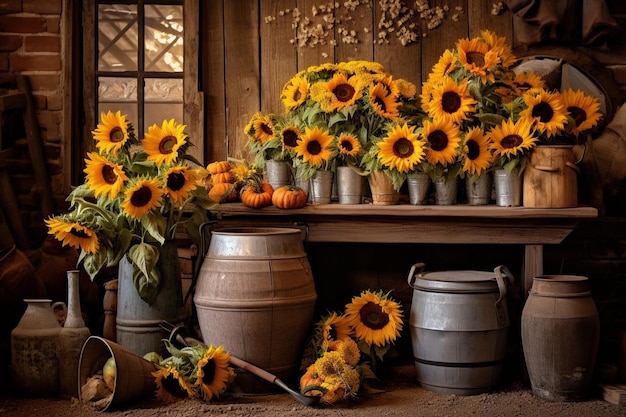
(248,59)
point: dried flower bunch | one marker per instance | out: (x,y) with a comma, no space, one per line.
(133,199)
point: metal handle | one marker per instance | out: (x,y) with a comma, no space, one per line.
(545,168)
(573,166)
(502,272)
(411,277)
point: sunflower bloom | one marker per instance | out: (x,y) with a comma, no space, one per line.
(349,351)
(384,105)
(345,91)
(582,108)
(103,176)
(179,182)
(500,45)
(547,110)
(444,141)
(162,143)
(294,93)
(451,101)
(401,149)
(477,58)
(315,146)
(289,136)
(112,134)
(510,139)
(329,365)
(73,234)
(171,385)
(213,373)
(376,319)
(334,328)
(141,197)
(477,157)
(348,145)
(445,65)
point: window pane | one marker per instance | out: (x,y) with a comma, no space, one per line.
(118,94)
(163,100)
(164,38)
(117,37)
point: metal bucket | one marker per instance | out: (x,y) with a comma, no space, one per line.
(560,335)
(255,296)
(459,323)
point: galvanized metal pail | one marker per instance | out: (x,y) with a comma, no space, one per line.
(418,186)
(508,187)
(255,296)
(459,324)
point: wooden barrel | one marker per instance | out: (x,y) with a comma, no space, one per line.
(550,178)
(256,296)
(459,323)
(560,335)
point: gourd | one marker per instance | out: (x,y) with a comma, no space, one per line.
(257,194)
(289,197)
(109,371)
(311,382)
(226,177)
(223,192)
(218,167)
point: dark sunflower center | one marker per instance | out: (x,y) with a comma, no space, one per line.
(171,385)
(524,86)
(473,150)
(344,92)
(346,145)
(332,332)
(141,197)
(403,148)
(379,100)
(475,58)
(450,102)
(314,147)
(297,95)
(290,138)
(265,128)
(175,181)
(373,316)
(108,174)
(438,140)
(167,144)
(209,372)
(117,134)
(578,114)
(543,111)
(387,88)
(511,141)
(79,233)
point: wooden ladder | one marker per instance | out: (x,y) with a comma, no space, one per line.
(16,102)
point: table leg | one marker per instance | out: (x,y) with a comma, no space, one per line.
(533,265)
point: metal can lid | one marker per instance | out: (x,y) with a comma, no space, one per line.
(457,281)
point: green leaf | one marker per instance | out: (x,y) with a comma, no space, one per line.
(155,225)
(144,257)
(93,262)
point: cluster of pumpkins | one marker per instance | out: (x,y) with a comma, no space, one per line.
(225,186)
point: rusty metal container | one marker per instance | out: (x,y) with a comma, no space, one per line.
(255,296)
(560,336)
(459,325)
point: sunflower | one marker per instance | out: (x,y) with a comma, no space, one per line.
(451,100)
(179,182)
(213,373)
(142,196)
(444,66)
(314,146)
(345,91)
(73,234)
(295,92)
(349,351)
(500,46)
(289,136)
(477,58)
(401,149)
(171,385)
(104,177)
(582,108)
(547,110)
(375,317)
(330,364)
(333,329)
(476,152)
(162,143)
(348,145)
(113,133)
(444,138)
(384,105)
(406,89)
(510,139)
(260,128)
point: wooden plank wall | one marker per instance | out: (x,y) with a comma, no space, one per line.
(248,59)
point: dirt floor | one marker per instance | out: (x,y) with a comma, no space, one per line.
(402,397)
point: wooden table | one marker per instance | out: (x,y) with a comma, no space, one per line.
(405,223)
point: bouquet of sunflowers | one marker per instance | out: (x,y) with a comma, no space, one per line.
(134,196)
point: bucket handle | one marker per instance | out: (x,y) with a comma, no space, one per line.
(411,278)
(502,272)
(197,259)
(555,169)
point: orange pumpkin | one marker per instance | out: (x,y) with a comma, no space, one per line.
(311,382)
(227,177)
(223,192)
(257,195)
(218,167)
(289,197)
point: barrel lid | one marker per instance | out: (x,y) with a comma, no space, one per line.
(457,281)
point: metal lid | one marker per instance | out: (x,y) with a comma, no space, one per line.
(457,281)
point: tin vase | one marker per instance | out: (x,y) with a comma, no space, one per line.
(418,186)
(508,186)
(478,189)
(321,187)
(349,185)
(446,190)
(277,173)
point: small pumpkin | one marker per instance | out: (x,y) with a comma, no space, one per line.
(311,382)
(289,197)
(227,177)
(223,192)
(218,167)
(257,194)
